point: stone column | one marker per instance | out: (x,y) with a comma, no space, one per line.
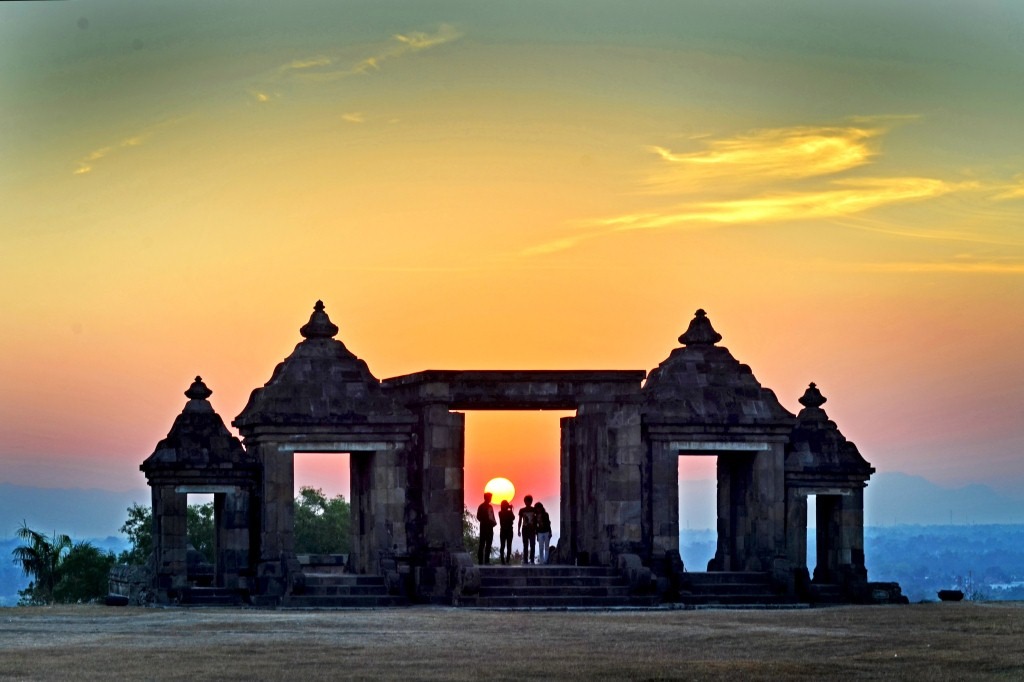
(231,518)
(277,520)
(664,488)
(442,499)
(567,542)
(170,541)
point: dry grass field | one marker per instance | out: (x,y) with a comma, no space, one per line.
(919,642)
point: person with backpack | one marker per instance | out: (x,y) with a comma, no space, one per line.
(528,529)
(543,532)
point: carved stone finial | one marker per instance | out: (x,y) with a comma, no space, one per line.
(319,325)
(198,390)
(700,332)
(812,397)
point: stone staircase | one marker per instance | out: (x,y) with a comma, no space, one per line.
(342,590)
(210,596)
(726,588)
(554,587)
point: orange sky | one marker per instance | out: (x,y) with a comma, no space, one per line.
(532,186)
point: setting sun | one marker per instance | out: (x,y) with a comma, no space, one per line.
(501,489)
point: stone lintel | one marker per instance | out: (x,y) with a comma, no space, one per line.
(675,432)
(816,490)
(337,446)
(709,446)
(206,489)
(399,432)
(811,484)
(515,389)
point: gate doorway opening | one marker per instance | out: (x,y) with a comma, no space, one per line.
(812,533)
(522,446)
(324,516)
(698,510)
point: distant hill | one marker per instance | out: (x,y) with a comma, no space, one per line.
(893,498)
(78,512)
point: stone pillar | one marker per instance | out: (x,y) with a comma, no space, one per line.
(231,521)
(796,526)
(442,498)
(664,486)
(277,520)
(170,541)
(567,543)
(623,491)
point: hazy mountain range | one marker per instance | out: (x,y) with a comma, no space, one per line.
(891,498)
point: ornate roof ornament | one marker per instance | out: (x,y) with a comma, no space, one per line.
(812,397)
(198,390)
(700,332)
(319,325)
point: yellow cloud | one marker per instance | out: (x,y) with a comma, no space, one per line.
(966,266)
(1012,191)
(353,117)
(326,68)
(854,196)
(418,40)
(779,153)
(88,162)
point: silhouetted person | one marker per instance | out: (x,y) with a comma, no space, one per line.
(507,518)
(543,532)
(485,515)
(528,529)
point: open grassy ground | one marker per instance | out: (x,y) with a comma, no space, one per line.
(921,642)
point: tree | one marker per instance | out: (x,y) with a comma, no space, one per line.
(40,559)
(470,536)
(139,529)
(60,571)
(84,573)
(201,533)
(322,526)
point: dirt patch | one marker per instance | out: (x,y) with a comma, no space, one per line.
(933,641)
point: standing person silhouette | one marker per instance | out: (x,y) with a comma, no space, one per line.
(507,518)
(485,515)
(528,529)
(543,533)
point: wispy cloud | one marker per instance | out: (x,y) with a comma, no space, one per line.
(964,265)
(1015,190)
(325,67)
(354,117)
(848,197)
(87,163)
(767,176)
(780,153)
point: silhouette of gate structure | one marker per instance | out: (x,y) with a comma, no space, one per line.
(618,461)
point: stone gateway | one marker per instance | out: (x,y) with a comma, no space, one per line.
(619,484)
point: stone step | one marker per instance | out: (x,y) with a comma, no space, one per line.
(550,581)
(343,590)
(726,577)
(211,596)
(548,591)
(546,570)
(351,579)
(316,601)
(511,601)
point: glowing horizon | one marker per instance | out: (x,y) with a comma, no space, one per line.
(509,187)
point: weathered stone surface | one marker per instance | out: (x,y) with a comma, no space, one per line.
(618,464)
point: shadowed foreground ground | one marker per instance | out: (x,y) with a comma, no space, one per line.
(922,641)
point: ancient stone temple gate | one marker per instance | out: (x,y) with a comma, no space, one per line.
(619,474)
